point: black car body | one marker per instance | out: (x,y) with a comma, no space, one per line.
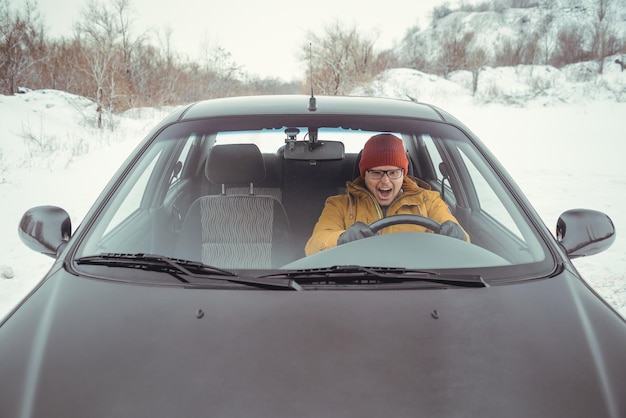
(159,305)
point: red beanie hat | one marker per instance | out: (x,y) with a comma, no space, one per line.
(381,150)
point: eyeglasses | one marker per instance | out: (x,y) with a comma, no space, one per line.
(394,174)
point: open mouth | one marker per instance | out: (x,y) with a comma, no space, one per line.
(384,194)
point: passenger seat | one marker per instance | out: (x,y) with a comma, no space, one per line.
(244,230)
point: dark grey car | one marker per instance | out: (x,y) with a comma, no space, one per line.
(185,292)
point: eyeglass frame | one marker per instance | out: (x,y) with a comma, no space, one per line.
(401,170)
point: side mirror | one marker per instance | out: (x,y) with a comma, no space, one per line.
(584,232)
(45,229)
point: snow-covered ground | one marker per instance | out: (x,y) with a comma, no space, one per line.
(563,145)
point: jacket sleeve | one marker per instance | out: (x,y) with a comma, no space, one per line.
(439,211)
(329,226)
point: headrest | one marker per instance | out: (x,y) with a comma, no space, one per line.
(235,164)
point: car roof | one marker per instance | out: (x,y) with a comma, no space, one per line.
(299,105)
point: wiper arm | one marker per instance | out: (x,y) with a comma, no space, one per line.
(155,263)
(181,269)
(361,275)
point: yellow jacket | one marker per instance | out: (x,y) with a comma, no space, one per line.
(359,205)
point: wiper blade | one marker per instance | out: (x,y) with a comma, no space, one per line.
(154,263)
(385,275)
(181,269)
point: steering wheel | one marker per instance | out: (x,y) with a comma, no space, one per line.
(405,219)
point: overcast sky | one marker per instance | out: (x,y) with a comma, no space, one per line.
(262,35)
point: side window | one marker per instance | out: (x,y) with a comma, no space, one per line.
(134,193)
(486,194)
(433,153)
(490,203)
(135,205)
(180,165)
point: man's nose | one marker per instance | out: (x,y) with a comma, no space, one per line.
(385,177)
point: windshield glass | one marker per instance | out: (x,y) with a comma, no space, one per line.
(247,195)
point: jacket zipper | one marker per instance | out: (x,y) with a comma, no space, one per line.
(379,210)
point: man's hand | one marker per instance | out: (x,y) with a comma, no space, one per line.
(453,230)
(357,231)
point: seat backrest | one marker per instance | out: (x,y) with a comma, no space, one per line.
(263,191)
(244,230)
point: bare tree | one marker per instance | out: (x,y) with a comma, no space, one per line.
(129,46)
(165,71)
(413,51)
(605,42)
(546,42)
(570,46)
(21,46)
(165,43)
(99,34)
(341,59)
(454,47)
(523,48)
(476,63)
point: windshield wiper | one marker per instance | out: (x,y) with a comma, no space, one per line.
(374,275)
(182,269)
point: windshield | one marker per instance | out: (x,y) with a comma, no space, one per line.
(246,195)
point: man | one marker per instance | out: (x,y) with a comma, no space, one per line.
(382,189)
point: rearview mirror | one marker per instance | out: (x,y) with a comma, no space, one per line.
(321,150)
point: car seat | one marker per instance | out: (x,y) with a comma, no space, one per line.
(245,230)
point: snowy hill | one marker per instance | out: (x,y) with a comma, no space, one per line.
(520,85)
(562,144)
(484,34)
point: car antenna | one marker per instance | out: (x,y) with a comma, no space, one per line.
(312,100)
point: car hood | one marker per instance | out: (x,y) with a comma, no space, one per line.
(83,347)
